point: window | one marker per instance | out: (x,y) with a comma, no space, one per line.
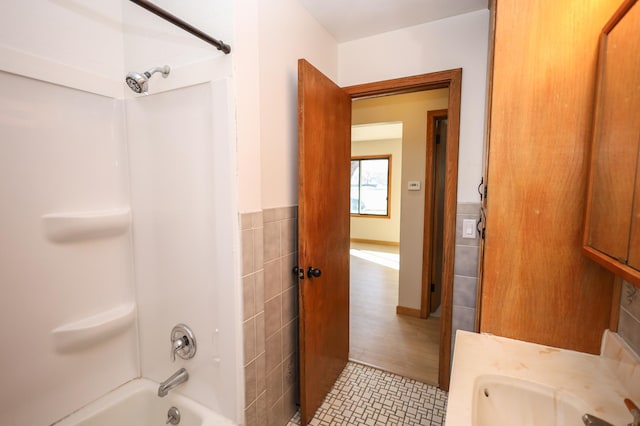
(370,183)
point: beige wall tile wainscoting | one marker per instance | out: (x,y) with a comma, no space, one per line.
(270,315)
(270,303)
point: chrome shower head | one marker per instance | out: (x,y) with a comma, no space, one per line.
(139,83)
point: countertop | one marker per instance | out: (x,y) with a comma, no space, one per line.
(601,381)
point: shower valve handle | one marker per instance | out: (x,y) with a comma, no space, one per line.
(178,345)
(183,342)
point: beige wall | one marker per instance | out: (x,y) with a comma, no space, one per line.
(411,109)
(378,228)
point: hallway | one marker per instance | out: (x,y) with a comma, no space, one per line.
(400,344)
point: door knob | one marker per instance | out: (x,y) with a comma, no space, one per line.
(313,272)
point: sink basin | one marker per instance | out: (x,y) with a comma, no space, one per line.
(502,400)
(500,381)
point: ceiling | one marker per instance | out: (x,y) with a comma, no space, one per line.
(352,19)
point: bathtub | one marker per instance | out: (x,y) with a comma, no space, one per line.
(137,403)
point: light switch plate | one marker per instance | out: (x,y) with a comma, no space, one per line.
(414,185)
(469,228)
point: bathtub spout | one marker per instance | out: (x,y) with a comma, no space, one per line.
(177,378)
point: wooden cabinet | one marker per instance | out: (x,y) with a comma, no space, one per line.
(612,231)
(537,286)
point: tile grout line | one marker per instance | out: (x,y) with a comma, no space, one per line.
(363,395)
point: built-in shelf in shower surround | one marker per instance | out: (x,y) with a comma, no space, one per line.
(88,331)
(83,225)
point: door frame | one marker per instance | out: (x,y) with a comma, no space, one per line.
(451,79)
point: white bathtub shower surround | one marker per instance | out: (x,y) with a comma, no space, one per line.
(90,331)
(500,381)
(136,403)
(183,219)
(86,225)
(67,258)
(67,266)
(63,151)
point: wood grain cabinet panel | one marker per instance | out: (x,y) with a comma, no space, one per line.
(537,286)
(612,234)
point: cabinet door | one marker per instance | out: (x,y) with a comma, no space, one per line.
(617,135)
(630,25)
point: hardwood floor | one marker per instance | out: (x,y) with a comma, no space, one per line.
(400,344)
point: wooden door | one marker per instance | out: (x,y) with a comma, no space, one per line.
(437,233)
(324,152)
(434,209)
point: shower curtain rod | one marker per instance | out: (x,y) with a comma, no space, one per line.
(180,23)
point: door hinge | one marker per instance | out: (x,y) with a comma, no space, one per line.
(433,288)
(481,225)
(483,189)
(437,139)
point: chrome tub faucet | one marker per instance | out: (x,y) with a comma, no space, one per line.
(176,378)
(591,420)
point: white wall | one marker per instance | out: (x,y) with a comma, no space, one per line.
(271,37)
(246,74)
(83,36)
(378,228)
(286,33)
(457,42)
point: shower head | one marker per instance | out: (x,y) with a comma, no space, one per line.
(139,83)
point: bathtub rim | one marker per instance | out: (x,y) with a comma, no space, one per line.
(133,386)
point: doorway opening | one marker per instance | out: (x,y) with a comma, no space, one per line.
(391,327)
(324,127)
(451,79)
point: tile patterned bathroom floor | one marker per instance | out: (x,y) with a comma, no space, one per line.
(367,396)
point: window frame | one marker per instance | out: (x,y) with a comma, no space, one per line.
(387,157)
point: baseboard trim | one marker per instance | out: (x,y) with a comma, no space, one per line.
(379,242)
(410,312)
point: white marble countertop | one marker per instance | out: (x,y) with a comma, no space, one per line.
(600,381)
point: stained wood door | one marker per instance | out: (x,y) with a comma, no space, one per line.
(324,152)
(439,173)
